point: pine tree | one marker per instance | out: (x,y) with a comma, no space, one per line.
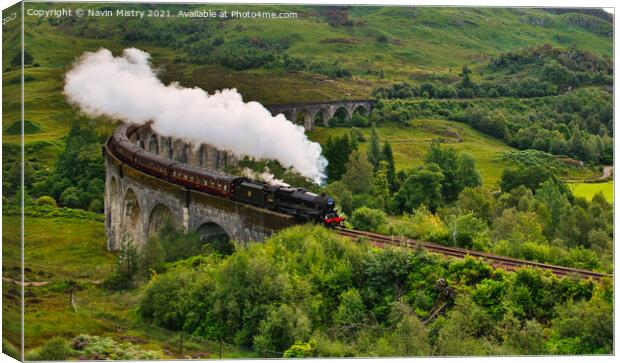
(358,177)
(337,151)
(388,156)
(381,186)
(466,82)
(374,149)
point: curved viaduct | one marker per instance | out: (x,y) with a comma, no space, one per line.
(312,113)
(137,204)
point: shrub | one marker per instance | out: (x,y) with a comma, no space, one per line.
(300,350)
(92,347)
(357,134)
(279,330)
(368,219)
(55,349)
(46,200)
(423,225)
(359,120)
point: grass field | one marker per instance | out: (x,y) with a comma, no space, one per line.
(588,190)
(61,249)
(410,144)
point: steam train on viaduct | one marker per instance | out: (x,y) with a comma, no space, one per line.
(303,205)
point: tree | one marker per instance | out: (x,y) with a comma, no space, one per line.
(388,156)
(518,227)
(16,61)
(358,175)
(528,339)
(464,229)
(374,149)
(556,202)
(467,173)
(281,327)
(407,336)
(82,152)
(584,327)
(556,73)
(152,257)
(529,176)
(463,329)
(466,81)
(447,160)
(342,195)
(166,302)
(351,313)
(422,187)
(126,267)
(478,201)
(381,186)
(70,197)
(337,151)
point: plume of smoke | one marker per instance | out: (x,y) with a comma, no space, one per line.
(127,88)
(265,176)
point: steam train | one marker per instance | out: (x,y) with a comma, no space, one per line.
(302,205)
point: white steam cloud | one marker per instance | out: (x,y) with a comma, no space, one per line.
(265,176)
(127,88)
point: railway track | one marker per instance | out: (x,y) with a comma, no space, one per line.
(507,263)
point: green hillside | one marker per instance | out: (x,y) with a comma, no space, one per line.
(524,90)
(377,45)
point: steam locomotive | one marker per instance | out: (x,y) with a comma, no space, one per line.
(304,206)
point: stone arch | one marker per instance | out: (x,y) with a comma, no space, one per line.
(131,215)
(159,216)
(341,116)
(203,156)
(180,151)
(221,159)
(288,114)
(321,117)
(211,233)
(303,117)
(184,154)
(153,144)
(363,109)
(167,150)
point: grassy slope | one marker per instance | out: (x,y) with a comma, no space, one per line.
(81,255)
(410,145)
(588,190)
(424,43)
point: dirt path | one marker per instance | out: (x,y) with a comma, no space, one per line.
(43,283)
(607,171)
(26,283)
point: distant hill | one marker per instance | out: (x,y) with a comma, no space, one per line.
(326,52)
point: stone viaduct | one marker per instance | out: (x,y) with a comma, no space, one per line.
(313,113)
(137,205)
